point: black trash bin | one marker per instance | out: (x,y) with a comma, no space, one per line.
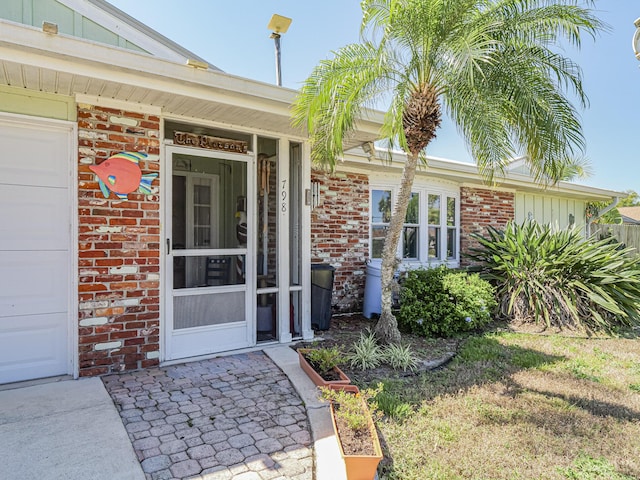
(321,290)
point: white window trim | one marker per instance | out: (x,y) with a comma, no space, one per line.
(424,189)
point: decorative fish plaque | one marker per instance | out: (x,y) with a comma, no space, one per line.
(121,174)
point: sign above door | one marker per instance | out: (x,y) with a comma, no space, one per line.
(212,143)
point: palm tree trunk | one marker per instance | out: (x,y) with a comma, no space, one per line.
(386,329)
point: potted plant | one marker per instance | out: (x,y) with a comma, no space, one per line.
(321,365)
(356,433)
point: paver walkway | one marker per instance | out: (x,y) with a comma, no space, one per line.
(233,417)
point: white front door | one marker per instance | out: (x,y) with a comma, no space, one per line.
(35,249)
(208,307)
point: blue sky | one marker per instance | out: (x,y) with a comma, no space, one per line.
(233,36)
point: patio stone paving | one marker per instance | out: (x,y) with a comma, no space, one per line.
(233,417)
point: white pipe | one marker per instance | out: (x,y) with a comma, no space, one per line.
(606,209)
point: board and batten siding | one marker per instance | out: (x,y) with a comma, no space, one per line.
(547,209)
(69,22)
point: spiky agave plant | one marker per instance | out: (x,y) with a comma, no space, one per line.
(556,277)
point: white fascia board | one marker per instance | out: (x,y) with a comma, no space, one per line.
(566,188)
(118,104)
(28,45)
(370,121)
(467,174)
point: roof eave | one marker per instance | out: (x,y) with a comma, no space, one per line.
(163,80)
(467,174)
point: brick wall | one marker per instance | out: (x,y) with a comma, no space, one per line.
(340,234)
(119,248)
(479,209)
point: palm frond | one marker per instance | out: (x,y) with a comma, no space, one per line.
(335,95)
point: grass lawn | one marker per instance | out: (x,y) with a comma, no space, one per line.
(518,406)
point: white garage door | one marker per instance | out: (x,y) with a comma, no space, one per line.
(35,245)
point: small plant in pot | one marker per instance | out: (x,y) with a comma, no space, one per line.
(321,365)
(355,430)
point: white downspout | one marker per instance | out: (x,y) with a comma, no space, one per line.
(606,209)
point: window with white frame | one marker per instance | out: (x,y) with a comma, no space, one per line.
(452,228)
(411,229)
(431,230)
(380,217)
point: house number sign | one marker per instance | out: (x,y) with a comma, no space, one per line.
(283,194)
(212,143)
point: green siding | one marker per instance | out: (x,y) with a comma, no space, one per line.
(549,209)
(95,32)
(54,12)
(34,12)
(30,102)
(131,46)
(11,10)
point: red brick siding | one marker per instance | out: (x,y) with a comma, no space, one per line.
(340,234)
(119,248)
(479,209)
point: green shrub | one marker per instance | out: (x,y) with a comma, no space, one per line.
(556,277)
(441,301)
(323,360)
(349,406)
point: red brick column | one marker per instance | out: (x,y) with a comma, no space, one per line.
(479,209)
(340,234)
(119,247)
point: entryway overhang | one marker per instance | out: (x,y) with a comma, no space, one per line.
(57,63)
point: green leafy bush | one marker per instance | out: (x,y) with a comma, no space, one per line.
(349,406)
(442,301)
(323,360)
(556,277)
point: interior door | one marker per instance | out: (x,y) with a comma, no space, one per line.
(208,305)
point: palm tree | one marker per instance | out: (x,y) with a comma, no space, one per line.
(577,169)
(491,65)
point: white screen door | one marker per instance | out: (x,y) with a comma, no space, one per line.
(208,306)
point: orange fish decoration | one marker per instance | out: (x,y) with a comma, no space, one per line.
(121,174)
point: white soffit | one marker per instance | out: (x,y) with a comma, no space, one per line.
(60,64)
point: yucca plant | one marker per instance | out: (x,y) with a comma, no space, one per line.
(367,353)
(400,357)
(544,274)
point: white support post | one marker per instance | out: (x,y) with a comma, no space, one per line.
(284,280)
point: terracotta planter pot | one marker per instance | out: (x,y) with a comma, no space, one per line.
(360,467)
(315,376)
(345,387)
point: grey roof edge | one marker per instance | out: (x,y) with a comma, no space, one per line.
(150,32)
